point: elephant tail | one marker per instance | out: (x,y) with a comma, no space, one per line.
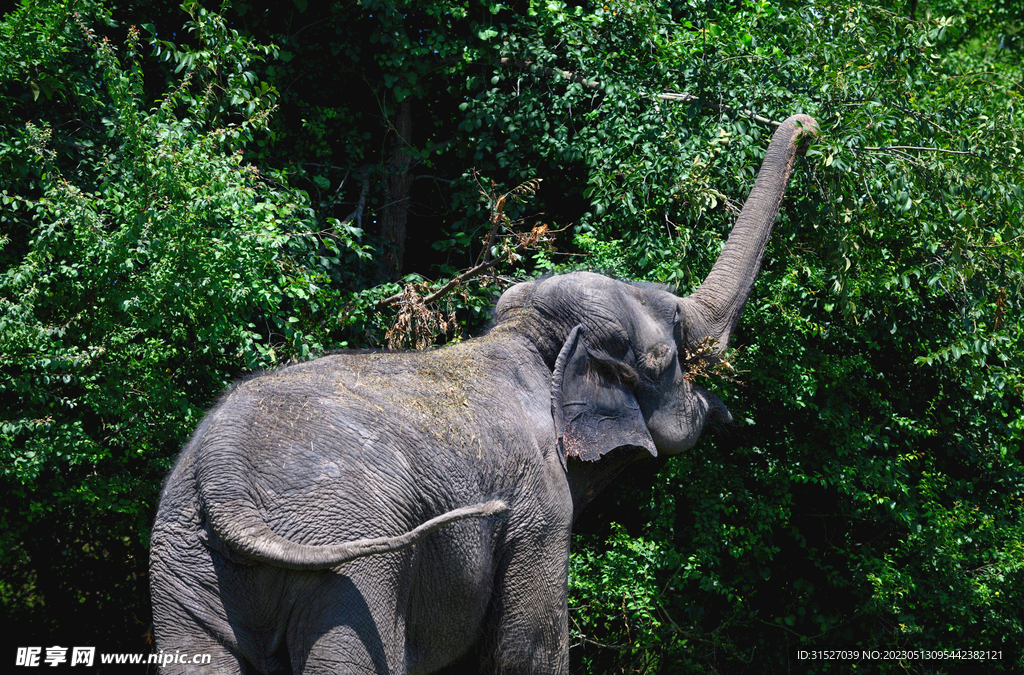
(246,533)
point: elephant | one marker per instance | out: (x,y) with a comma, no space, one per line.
(410,512)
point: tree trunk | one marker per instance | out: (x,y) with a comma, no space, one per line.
(399,186)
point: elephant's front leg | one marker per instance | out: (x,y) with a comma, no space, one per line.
(530,626)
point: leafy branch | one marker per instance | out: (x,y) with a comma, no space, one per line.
(504,242)
(707,360)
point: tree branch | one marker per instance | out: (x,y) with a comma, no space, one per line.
(468,274)
(358,213)
(526,241)
(497,217)
(690,98)
(667,96)
(899,151)
(435,178)
(325,166)
(914,147)
(567,74)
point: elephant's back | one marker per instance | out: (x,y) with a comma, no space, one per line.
(351,447)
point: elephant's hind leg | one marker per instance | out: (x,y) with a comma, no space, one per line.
(340,629)
(184,642)
(353,648)
(201,657)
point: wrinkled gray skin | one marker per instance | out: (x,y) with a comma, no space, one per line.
(411,512)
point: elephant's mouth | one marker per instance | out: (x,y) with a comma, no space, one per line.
(717,412)
(676,425)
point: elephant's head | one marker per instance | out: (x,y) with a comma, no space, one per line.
(617,350)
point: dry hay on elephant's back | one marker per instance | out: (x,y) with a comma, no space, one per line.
(432,391)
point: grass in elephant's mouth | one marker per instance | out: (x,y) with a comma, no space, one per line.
(706,361)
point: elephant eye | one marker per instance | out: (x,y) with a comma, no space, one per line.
(656,359)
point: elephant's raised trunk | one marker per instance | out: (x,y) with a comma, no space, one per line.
(722,296)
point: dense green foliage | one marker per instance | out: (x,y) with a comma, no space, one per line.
(157,265)
(210,194)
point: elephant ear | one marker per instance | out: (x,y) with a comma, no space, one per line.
(594,411)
